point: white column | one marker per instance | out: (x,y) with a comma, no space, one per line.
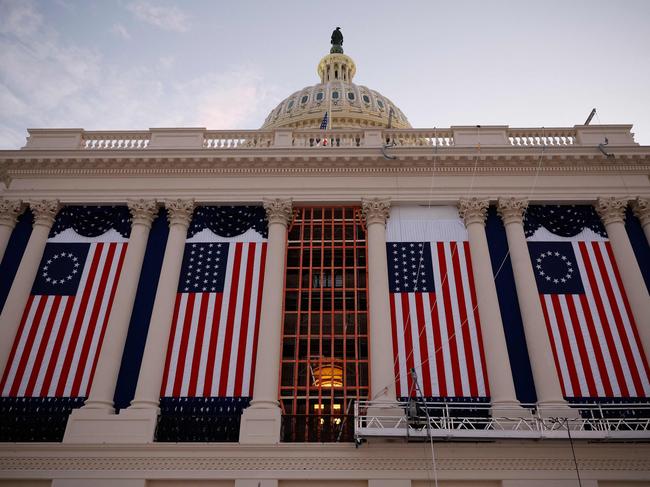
(260,423)
(108,365)
(547,381)
(502,389)
(147,393)
(641,208)
(612,213)
(9,211)
(44,214)
(382,372)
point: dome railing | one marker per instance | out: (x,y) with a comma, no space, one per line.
(302,138)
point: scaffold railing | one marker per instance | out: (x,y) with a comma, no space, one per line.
(419,419)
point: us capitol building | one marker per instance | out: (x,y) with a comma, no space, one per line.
(334,299)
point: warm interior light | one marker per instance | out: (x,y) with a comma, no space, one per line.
(328,376)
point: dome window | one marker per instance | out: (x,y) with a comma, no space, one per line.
(319,96)
(380,104)
(350,96)
(304,99)
(366,99)
(335,95)
(290,106)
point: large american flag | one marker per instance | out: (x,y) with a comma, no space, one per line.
(58,341)
(435,322)
(213,341)
(595,342)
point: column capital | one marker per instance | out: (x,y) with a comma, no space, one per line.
(473,210)
(375,210)
(611,209)
(641,208)
(511,210)
(179,211)
(44,211)
(9,212)
(279,210)
(142,211)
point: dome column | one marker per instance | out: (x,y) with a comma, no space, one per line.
(382,373)
(612,213)
(502,389)
(547,385)
(641,208)
(45,212)
(9,212)
(260,423)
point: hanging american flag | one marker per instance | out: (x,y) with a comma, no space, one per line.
(434,316)
(595,342)
(324,122)
(61,331)
(213,341)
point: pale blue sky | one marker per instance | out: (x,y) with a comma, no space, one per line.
(135,64)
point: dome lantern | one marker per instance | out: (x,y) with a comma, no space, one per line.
(348,105)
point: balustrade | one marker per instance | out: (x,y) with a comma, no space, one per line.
(536,137)
(200,138)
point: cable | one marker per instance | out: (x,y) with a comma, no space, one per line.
(426,412)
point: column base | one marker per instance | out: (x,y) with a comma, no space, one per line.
(509,409)
(101,426)
(557,409)
(260,426)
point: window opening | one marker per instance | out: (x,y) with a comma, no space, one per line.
(325,334)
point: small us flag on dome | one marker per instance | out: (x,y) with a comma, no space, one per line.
(325,122)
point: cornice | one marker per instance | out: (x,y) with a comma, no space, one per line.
(325,165)
(325,465)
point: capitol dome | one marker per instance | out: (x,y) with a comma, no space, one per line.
(348,105)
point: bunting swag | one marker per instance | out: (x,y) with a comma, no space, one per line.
(595,342)
(435,322)
(213,340)
(60,335)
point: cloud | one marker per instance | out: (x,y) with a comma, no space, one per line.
(121,31)
(46,82)
(166,17)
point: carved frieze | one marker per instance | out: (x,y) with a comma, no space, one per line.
(641,208)
(179,211)
(278,210)
(143,211)
(44,211)
(9,211)
(375,210)
(512,209)
(473,210)
(611,209)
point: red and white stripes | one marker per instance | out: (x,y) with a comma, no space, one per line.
(595,342)
(438,333)
(58,342)
(213,342)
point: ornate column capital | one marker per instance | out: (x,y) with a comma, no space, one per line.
(511,210)
(44,211)
(179,211)
(9,212)
(473,210)
(278,210)
(375,210)
(142,211)
(641,209)
(611,209)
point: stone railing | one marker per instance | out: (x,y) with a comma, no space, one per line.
(453,137)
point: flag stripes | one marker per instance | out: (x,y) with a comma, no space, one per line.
(595,342)
(438,333)
(58,341)
(212,343)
